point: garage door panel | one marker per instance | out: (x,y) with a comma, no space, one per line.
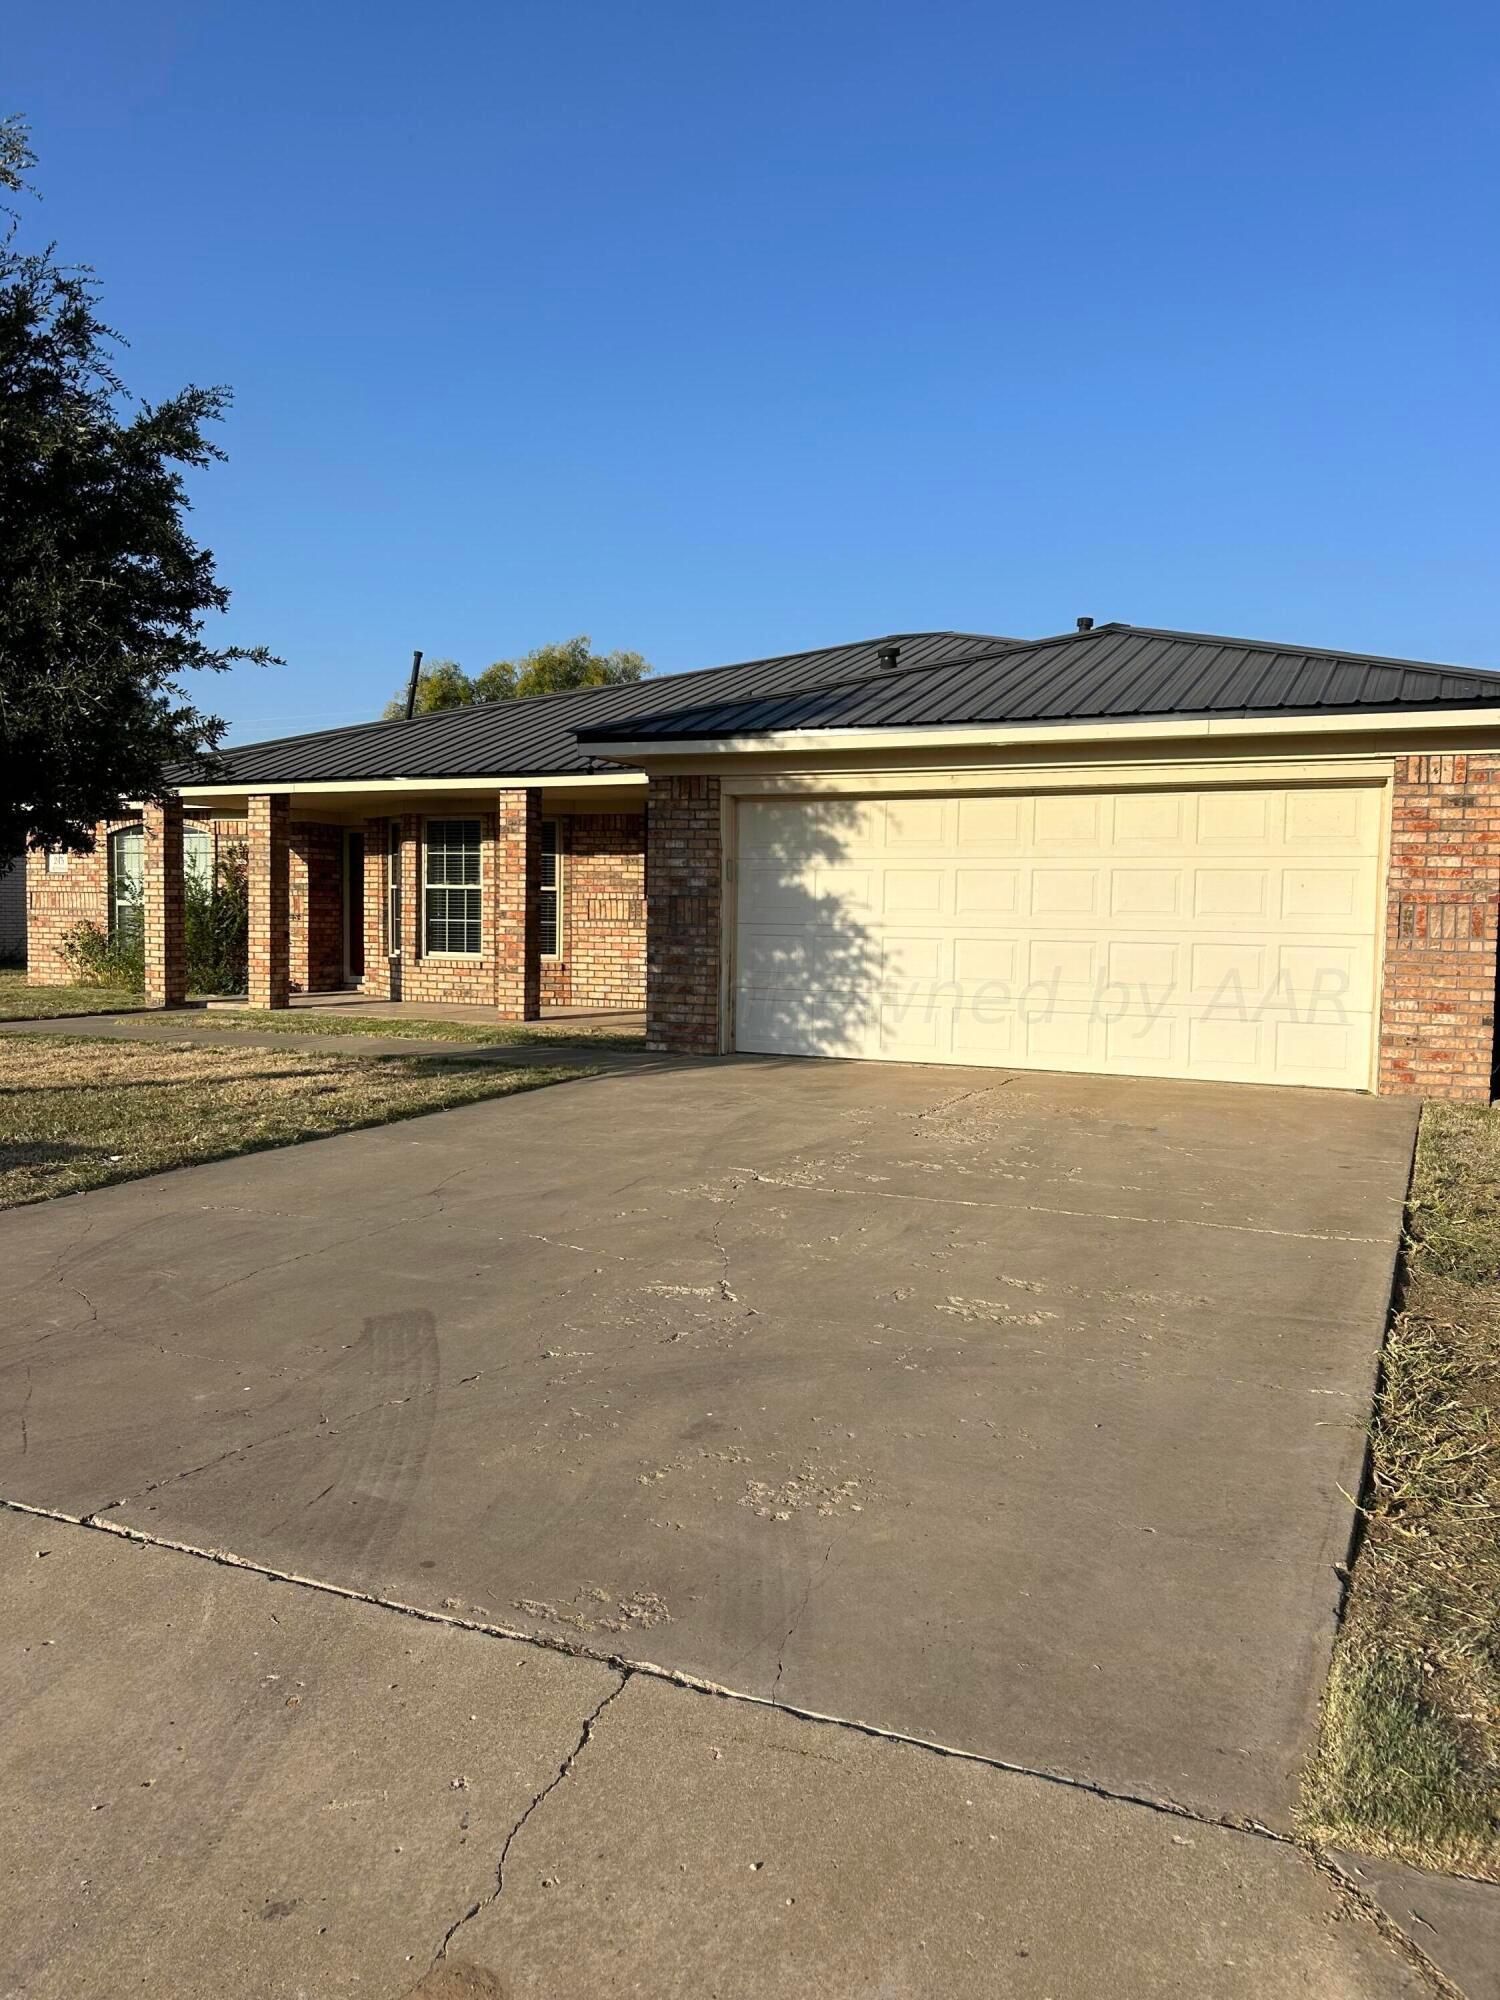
(986,892)
(1065,892)
(1151,820)
(908,959)
(1148,964)
(993,825)
(918,825)
(1224,934)
(1069,964)
(986,960)
(1146,892)
(909,892)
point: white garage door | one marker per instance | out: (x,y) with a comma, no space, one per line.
(1218,933)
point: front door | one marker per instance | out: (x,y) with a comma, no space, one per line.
(354,906)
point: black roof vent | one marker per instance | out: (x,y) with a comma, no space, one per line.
(1085,624)
(888,653)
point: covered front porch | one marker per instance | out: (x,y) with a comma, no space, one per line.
(516,903)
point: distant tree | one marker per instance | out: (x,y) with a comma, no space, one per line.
(555,669)
(441,684)
(104,593)
(558,669)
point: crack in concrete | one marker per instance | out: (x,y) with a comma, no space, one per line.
(1070,1214)
(1353,1893)
(653,1669)
(564,1771)
(797,1618)
(727,1292)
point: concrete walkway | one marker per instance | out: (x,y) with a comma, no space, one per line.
(1006,1414)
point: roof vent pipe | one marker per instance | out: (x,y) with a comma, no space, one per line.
(888,655)
(411,685)
(1085,624)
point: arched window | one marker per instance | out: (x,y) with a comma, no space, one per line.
(127,870)
(127,878)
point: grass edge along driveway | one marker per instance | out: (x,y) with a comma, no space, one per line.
(78,1113)
(1408,1758)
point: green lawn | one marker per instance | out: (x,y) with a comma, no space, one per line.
(77,1112)
(20,1002)
(1409,1757)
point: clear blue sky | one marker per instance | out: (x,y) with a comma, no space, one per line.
(720,330)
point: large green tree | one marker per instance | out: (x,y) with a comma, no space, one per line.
(441,684)
(554,669)
(104,595)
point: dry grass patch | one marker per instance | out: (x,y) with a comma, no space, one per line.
(80,1113)
(1408,1761)
(20,1002)
(415,1028)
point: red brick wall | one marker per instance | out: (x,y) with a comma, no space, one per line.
(683,915)
(316,894)
(602,934)
(58,904)
(456,980)
(1437,1034)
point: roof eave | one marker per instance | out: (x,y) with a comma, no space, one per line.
(1345,722)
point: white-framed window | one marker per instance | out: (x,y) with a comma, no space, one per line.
(127,878)
(198,855)
(393,887)
(551,898)
(451,892)
(127,870)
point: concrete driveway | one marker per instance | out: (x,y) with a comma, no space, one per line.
(1008,1413)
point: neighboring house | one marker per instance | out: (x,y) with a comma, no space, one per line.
(1119,850)
(13,911)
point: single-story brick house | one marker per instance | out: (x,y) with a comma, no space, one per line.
(1117,850)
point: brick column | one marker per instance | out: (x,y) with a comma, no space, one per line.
(1437,1014)
(165,933)
(413,932)
(515,902)
(377,975)
(684,915)
(270,942)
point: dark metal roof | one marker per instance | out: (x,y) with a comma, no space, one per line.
(537,737)
(1113,673)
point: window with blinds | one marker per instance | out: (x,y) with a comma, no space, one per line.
(551,924)
(451,887)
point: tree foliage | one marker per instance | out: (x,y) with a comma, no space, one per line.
(560,668)
(103,593)
(441,684)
